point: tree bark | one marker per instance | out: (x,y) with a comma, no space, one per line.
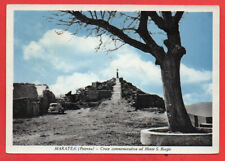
(176,112)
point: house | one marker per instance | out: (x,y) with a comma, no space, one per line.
(25,100)
(31,100)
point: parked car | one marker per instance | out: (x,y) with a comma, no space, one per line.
(55,108)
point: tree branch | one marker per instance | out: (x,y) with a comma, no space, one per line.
(144,34)
(173,42)
(153,50)
(167,17)
(91,14)
(178,16)
(157,19)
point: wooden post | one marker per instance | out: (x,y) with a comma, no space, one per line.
(208,119)
(196,120)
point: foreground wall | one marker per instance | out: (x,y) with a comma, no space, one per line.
(25,107)
(29,102)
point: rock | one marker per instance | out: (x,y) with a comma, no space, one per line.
(71,97)
(47,98)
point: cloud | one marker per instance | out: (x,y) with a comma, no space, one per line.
(64,52)
(33,50)
(207,87)
(191,75)
(132,67)
(191,98)
(202,93)
(78,65)
(72,82)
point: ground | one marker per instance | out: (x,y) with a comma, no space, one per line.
(113,122)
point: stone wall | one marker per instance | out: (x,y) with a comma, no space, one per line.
(89,96)
(200,119)
(96,95)
(139,99)
(149,101)
(25,107)
(28,101)
(92,95)
(24,90)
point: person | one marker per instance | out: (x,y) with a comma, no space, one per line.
(117,73)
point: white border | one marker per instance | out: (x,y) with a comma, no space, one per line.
(10,148)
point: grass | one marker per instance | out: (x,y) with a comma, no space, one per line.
(111,123)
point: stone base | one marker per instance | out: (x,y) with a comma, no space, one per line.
(162,137)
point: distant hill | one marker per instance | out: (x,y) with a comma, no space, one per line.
(200,109)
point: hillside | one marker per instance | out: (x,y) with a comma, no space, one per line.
(200,109)
(92,95)
(139,99)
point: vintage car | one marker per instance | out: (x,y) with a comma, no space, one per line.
(55,108)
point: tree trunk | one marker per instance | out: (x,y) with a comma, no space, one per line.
(176,112)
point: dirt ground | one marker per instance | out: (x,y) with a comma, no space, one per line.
(111,123)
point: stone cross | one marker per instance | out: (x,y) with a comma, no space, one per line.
(117,73)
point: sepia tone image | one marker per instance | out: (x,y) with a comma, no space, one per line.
(112,78)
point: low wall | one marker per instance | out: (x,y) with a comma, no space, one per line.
(200,120)
(96,95)
(92,95)
(148,101)
(161,137)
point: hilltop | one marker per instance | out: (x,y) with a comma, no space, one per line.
(92,95)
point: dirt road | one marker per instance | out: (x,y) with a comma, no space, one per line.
(113,122)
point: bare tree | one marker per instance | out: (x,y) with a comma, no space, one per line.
(133,29)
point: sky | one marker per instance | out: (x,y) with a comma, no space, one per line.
(66,62)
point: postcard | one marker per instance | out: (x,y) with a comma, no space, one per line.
(112,79)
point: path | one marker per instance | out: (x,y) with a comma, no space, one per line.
(116,95)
